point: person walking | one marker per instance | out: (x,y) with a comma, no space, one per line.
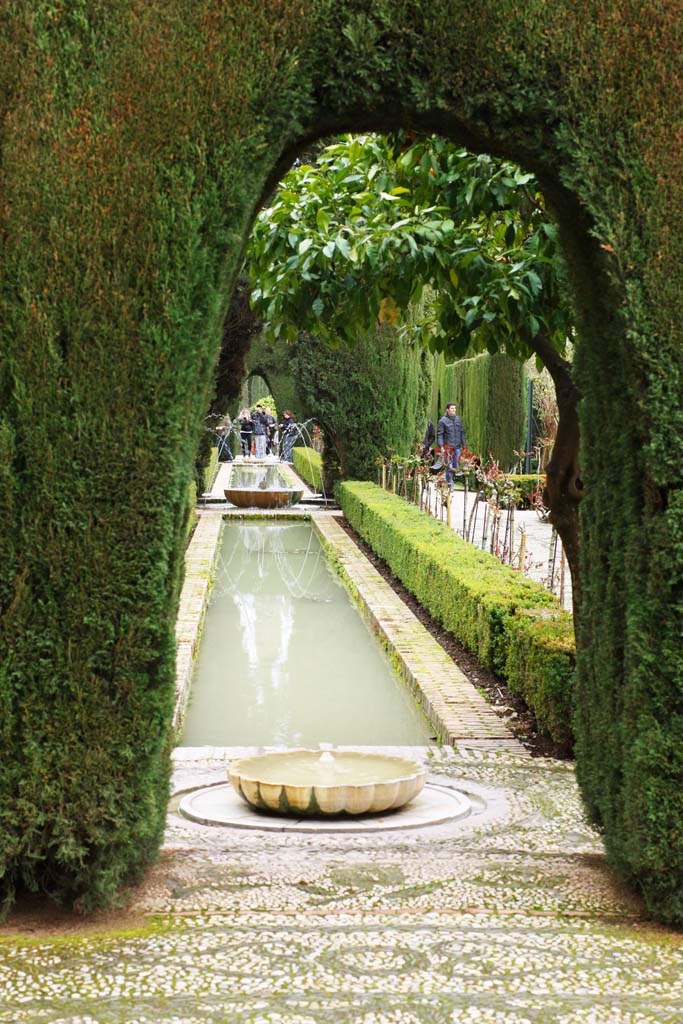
(450,440)
(223,434)
(258,418)
(287,435)
(271,426)
(246,431)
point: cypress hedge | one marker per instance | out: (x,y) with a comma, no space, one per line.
(137,142)
(490,396)
(511,623)
(369,399)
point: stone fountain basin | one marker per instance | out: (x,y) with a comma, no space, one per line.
(253,497)
(301,782)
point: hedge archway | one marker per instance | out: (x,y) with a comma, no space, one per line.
(137,143)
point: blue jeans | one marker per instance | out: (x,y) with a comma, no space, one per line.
(452,464)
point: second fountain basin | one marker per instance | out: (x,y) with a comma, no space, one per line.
(260,485)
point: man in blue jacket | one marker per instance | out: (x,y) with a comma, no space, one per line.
(450,440)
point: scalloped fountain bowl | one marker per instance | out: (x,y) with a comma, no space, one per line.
(306,782)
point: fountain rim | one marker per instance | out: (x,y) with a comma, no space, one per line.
(418,768)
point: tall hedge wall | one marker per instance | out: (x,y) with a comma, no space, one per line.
(369,399)
(137,141)
(490,395)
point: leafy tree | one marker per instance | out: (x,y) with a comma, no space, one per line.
(357,237)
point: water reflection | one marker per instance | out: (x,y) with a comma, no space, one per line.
(286,658)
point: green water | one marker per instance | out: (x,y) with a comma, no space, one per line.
(286,658)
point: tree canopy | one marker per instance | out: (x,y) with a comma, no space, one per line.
(358,236)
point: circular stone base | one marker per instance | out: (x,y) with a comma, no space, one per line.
(220,805)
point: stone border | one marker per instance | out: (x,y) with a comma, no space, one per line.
(451,703)
(200,560)
(218,806)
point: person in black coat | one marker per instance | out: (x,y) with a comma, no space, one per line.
(271,428)
(450,439)
(246,431)
(287,435)
(428,440)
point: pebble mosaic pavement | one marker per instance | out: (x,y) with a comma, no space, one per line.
(514,919)
(509,916)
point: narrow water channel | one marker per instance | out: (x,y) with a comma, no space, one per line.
(285,656)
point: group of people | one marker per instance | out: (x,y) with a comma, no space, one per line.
(259,430)
(450,441)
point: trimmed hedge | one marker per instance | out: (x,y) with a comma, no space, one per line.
(309,465)
(527,484)
(138,141)
(511,623)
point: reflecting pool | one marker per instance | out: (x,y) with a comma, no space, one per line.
(286,657)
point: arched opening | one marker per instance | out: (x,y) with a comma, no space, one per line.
(126,215)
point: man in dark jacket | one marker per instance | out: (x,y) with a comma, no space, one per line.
(450,439)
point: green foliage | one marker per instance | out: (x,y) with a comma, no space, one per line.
(357,236)
(273,364)
(367,399)
(512,624)
(527,486)
(211,469)
(309,465)
(117,178)
(137,142)
(489,392)
(540,667)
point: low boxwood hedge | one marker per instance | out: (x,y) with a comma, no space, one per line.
(309,465)
(527,484)
(511,623)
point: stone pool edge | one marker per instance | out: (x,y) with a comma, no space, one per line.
(200,562)
(454,707)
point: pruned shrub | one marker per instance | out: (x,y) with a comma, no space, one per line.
(511,623)
(309,465)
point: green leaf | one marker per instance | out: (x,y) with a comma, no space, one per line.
(343,246)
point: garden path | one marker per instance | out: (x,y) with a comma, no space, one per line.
(512,918)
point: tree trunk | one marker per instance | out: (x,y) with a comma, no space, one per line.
(564,487)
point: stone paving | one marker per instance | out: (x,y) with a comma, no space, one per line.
(510,919)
